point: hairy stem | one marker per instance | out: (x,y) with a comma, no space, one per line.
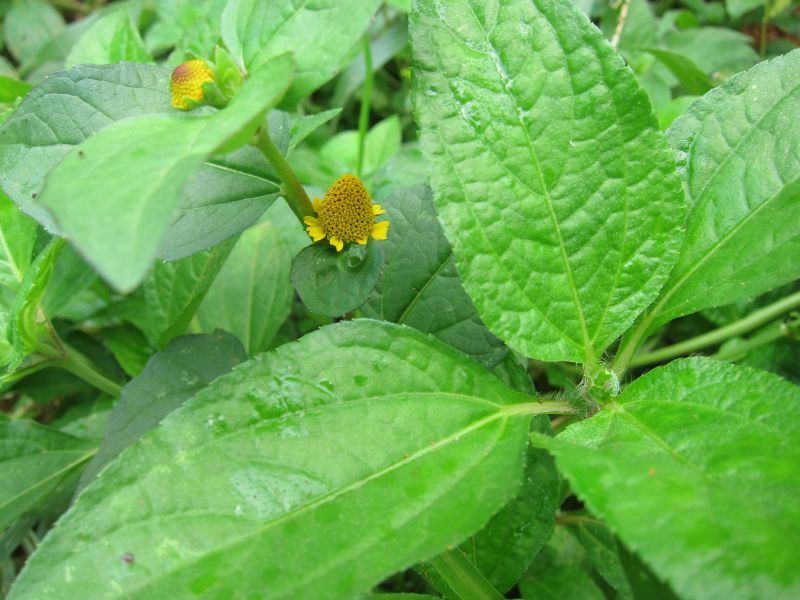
(291,190)
(749,323)
(463,577)
(366,97)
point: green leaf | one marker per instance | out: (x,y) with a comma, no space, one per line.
(414,448)
(28,25)
(325,30)
(33,340)
(71,275)
(226,195)
(192,27)
(710,450)
(168,380)
(602,550)
(111,39)
(738,152)
(35,462)
(504,548)
(736,8)
(129,346)
(304,126)
(674,109)
(11,89)
(118,228)
(714,50)
(559,249)
(171,294)
(17,237)
(562,581)
(36,137)
(420,286)
(333,283)
(252,295)
(381,143)
(693,80)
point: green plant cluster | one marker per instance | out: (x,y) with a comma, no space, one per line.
(570,371)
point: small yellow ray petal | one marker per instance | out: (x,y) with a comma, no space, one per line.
(316,233)
(312,221)
(316,204)
(335,241)
(362,241)
(380,230)
(377,209)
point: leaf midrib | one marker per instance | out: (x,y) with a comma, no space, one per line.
(356,485)
(735,229)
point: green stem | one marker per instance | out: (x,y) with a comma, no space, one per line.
(768,335)
(463,577)
(292,190)
(750,322)
(762,45)
(366,97)
(77,364)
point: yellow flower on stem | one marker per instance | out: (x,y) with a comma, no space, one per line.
(186,83)
(346,214)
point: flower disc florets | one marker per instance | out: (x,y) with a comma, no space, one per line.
(346,214)
(186,83)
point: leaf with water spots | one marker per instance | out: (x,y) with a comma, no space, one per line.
(313,471)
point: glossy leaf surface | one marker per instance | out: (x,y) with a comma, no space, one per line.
(738,150)
(554,185)
(695,468)
(169,378)
(414,449)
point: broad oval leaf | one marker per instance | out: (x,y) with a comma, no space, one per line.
(327,29)
(226,195)
(695,468)
(555,187)
(313,471)
(119,228)
(738,152)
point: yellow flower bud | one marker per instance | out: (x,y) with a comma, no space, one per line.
(186,83)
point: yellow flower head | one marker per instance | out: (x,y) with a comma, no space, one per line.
(186,83)
(346,214)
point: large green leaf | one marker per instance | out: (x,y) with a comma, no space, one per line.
(253,30)
(553,183)
(420,286)
(739,154)
(169,378)
(118,228)
(252,295)
(34,463)
(227,194)
(695,467)
(313,471)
